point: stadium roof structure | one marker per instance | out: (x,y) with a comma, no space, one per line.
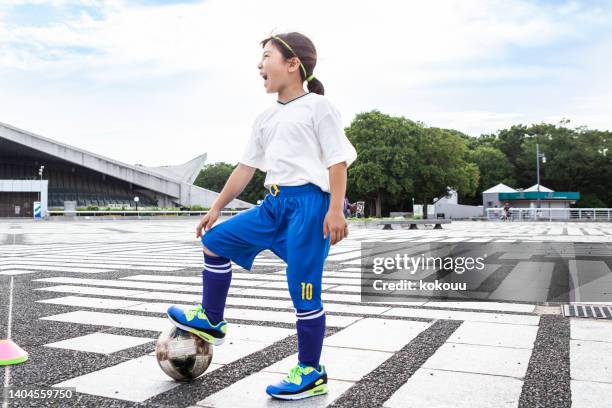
(175,182)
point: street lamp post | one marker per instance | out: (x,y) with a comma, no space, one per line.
(40,173)
(538,157)
(136,200)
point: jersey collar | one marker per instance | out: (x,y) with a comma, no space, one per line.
(289,101)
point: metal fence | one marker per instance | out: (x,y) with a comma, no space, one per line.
(550,214)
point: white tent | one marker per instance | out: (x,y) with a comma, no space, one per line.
(500,188)
(542,189)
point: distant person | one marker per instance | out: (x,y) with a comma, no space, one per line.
(507,211)
(347,207)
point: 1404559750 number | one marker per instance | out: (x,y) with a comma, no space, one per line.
(38,392)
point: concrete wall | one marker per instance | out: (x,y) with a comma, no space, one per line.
(494,198)
(451,198)
(459,211)
(28,186)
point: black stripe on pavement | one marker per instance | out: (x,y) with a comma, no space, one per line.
(547,381)
(378,386)
(559,282)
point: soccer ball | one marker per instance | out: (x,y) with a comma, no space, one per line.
(182,355)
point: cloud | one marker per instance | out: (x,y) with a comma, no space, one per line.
(177,37)
(112,74)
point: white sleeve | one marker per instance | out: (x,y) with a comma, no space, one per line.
(254,154)
(335,146)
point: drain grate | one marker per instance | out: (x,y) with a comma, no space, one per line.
(590,311)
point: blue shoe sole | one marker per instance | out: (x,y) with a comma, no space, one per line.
(313,392)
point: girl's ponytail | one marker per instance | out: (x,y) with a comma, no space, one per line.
(314,85)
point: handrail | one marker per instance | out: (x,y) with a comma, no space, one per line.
(550,214)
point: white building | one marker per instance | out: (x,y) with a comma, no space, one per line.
(498,195)
(449,207)
(490,197)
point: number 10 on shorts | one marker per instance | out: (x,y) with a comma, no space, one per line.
(306,291)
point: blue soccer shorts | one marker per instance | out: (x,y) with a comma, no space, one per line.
(290,224)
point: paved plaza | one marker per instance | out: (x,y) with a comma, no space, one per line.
(89,300)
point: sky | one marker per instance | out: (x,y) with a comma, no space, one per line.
(160,82)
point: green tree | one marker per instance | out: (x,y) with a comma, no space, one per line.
(441,163)
(255,190)
(214,176)
(590,200)
(510,142)
(576,158)
(386,152)
(493,166)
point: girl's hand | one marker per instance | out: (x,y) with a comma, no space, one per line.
(207,221)
(335,225)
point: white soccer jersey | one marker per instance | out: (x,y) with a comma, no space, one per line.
(297,141)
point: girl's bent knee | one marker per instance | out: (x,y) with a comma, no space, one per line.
(205,249)
(208,251)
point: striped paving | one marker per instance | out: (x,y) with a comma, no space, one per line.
(104,293)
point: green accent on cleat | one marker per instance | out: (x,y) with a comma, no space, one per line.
(319,390)
(206,337)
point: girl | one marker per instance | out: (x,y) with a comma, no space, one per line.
(300,143)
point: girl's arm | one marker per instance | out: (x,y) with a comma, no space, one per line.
(234,185)
(335,223)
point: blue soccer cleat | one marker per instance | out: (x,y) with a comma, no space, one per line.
(194,320)
(301,382)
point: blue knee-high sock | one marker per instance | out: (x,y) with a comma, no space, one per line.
(311,331)
(216,279)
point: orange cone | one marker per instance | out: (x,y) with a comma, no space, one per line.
(11,353)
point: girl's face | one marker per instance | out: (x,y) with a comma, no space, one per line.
(275,71)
